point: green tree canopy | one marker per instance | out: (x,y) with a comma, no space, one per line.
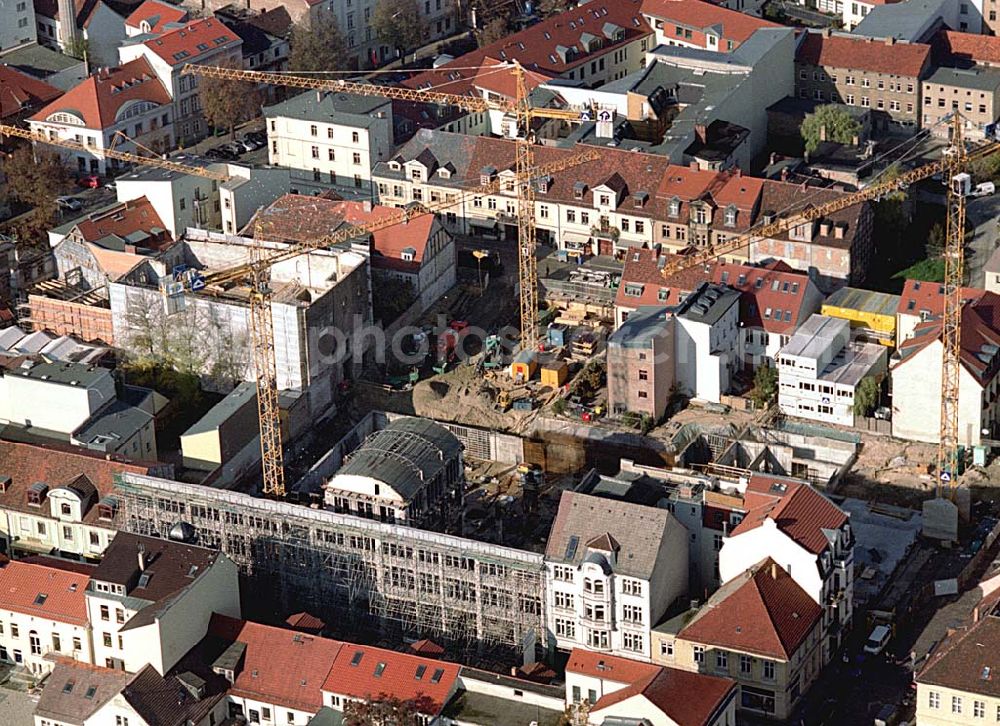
(866,396)
(397,23)
(319,47)
(226,103)
(840,126)
(765,386)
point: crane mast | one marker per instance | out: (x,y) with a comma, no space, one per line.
(958,180)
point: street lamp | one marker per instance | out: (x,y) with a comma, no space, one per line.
(479,255)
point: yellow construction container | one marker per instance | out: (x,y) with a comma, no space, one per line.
(524,366)
(872,313)
(554,373)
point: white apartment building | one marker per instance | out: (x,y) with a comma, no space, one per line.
(42,613)
(183,201)
(820,368)
(150,600)
(916,377)
(706,341)
(56,397)
(95,22)
(202,42)
(330,140)
(808,536)
(128,100)
(612,569)
(775,299)
(17,23)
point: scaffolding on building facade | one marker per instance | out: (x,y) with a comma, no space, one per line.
(336,565)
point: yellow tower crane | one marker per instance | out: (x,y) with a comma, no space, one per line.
(258,273)
(520,108)
(112,153)
(953,166)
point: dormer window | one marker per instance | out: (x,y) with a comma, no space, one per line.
(394,165)
(416,174)
(639,200)
(444,173)
(487,174)
(633,290)
(579,190)
(731,213)
(675,207)
(408,254)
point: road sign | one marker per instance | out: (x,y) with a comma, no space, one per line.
(585,115)
(605,116)
(197,283)
(945,476)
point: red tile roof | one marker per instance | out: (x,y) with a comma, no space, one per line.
(642,267)
(609,667)
(136,215)
(857,53)
(280,666)
(186,45)
(493,77)
(98,98)
(796,508)
(300,217)
(427,682)
(763,611)
(980,332)
(157,14)
(775,288)
(927,298)
(57,465)
(48,593)
(20,92)
(968,47)
(535,47)
(688,699)
(735,26)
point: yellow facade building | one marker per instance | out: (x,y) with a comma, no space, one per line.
(872,314)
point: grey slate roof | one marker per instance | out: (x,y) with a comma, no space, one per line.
(708,303)
(638,529)
(404,455)
(167,701)
(341,108)
(915,20)
(641,327)
(75,374)
(117,422)
(224,409)
(979,79)
(69,704)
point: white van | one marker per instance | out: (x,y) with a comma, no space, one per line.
(984,190)
(878,639)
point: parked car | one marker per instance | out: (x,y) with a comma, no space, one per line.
(221,152)
(71,203)
(883,412)
(249,144)
(90,181)
(111,186)
(259,136)
(878,639)
(233,147)
(984,190)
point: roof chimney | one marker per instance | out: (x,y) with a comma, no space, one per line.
(838,231)
(890,41)
(694,165)
(774,571)
(142,557)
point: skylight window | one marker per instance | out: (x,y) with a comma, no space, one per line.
(91,690)
(40,598)
(356,659)
(379,670)
(419,675)
(68,688)
(438,675)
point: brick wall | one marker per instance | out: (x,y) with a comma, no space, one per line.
(87,322)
